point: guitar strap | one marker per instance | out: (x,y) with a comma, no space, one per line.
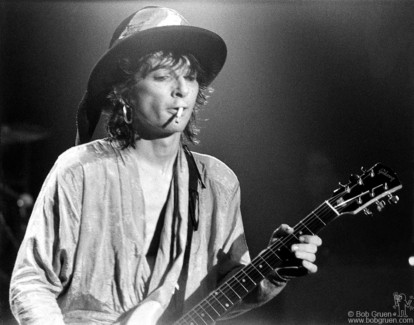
(177,301)
(194,178)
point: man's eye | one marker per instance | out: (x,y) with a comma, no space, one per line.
(161,77)
(191,77)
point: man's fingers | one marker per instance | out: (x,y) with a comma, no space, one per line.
(309,248)
(311,239)
(312,268)
(302,255)
(282,231)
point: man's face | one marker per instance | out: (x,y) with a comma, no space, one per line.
(158,96)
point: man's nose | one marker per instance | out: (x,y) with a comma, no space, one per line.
(181,87)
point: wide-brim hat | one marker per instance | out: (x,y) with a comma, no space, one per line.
(148,30)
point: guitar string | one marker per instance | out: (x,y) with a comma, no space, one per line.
(270,257)
(302,224)
(305,224)
(226,293)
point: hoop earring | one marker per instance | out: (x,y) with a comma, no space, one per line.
(127,114)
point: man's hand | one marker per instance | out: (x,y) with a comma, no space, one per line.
(304,254)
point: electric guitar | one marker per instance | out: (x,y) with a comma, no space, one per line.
(374,186)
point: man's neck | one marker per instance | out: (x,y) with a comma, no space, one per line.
(159,154)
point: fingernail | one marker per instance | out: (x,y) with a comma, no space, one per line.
(294,248)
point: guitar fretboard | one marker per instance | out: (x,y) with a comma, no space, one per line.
(245,280)
(363,190)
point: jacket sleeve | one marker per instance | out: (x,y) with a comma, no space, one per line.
(44,262)
(239,257)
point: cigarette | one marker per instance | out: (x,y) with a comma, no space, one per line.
(178,115)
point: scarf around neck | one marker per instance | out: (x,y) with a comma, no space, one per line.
(172,245)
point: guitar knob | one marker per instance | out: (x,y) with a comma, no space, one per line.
(393,199)
(367,212)
(380,205)
(346,187)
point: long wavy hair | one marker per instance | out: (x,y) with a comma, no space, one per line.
(126,78)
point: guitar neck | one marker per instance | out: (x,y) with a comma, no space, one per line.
(228,294)
(373,186)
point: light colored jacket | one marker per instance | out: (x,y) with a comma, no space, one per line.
(83,258)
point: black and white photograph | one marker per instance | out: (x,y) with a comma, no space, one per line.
(193,162)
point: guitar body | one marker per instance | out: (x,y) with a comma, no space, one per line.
(372,187)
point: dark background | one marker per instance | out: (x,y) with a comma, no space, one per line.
(311,91)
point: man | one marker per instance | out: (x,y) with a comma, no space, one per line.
(135,229)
